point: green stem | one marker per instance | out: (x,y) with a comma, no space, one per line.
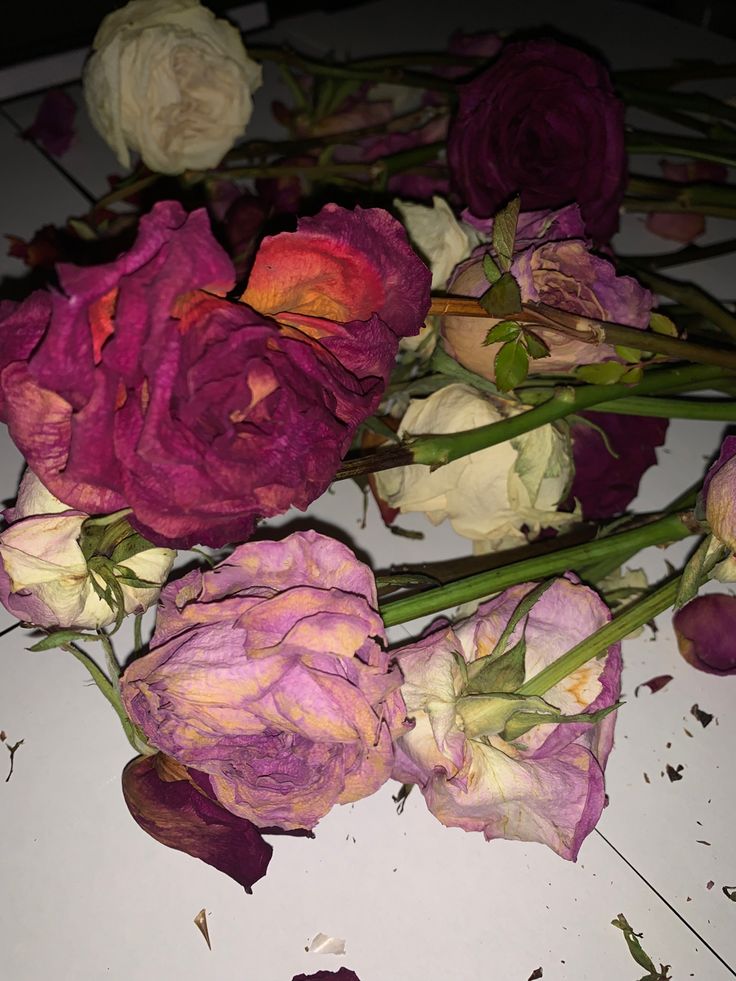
(691,295)
(644,141)
(359,72)
(662,531)
(629,619)
(716,410)
(678,102)
(113,665)
(685,72)
(681,257)
(440,449)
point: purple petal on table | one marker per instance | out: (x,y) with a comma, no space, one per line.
(605,484)
(53,126)
(342,974)
(654,684)
(705,628)
(178,815)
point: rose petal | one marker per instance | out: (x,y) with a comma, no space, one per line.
(705,629)
(178,815)
(53,126)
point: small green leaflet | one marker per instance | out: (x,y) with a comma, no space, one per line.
(603,373)
(503,298)
(491,270)
(512,365)
(59,638)
(504,232)
(630,354)
(521,722)
(505,330)
(535,345)
(500,674)
(661,324)
(639,954)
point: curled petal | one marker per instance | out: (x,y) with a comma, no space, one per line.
(179,815)
(705,629)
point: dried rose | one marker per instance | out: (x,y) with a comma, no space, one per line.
(704,635)
(269,675)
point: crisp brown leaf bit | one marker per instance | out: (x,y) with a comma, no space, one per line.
(674,773)
(535,975)
(200,921)
(654,684)
(704,718)
(730,893)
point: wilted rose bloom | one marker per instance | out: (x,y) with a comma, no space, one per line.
(498,496)
(546,785)
(140,386)
(437,235)
(553,264)
(269,674)
(542,121)
(171,81)
(703,628)
(718,496)
(44,575)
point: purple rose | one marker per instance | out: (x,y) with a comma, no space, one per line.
(543,122)
(553,264)
(540,784)
(141,386)
(269,674)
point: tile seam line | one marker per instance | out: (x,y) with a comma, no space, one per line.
(667,903)
(58,167)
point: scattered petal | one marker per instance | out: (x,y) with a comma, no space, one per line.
(53,127)
(654,684)
(322,944)
(704,718)
(342,974)
(704,628)
(730,893)
(535,975)
(200,921)
(709,885)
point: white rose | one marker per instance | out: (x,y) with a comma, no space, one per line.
(44,576)
(437,235)
(487,496)
(170,80)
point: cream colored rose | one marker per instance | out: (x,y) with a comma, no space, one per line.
(171,81)
(438,236)
(490,495)
(44,575)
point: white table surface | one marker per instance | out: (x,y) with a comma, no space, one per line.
(87,895)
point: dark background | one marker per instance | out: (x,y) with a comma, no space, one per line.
(35,30)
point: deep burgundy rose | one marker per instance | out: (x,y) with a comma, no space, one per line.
(543,122)
(141,386)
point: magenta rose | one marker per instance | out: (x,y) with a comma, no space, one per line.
(269,675)
(475,770)
(139,385)
(542,122)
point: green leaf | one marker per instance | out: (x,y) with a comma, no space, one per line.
(503,298)
(504,232)
(498,674)
(489,714)
(535,345)
(693,574)
(512,366)
(603,373)
(638,953)
(506,330)
(523,608)
(521,722)
(491,270)
(661,324)
(630,354)
(59,638)
(130,545)
(634,375)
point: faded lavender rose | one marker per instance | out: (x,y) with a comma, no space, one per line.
(48,573)
(705,629)
(269,674)
(553,264)
(170,806)
(718,497)
(141,386)
(168,79)
(543,122)
(544,785)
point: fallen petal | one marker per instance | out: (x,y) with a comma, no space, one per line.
(176,813)
(53,126)
(654,684)
(322,944)
(342,974)
(704,629)
(200,921)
